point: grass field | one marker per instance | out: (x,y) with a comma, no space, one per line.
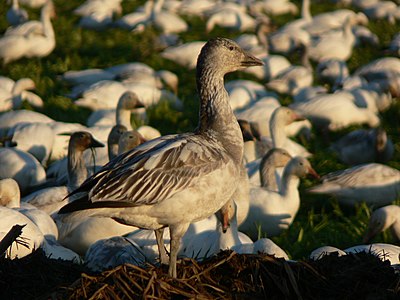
(320,221)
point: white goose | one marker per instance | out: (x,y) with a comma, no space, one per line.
(376,184)
(185,55)
(39,230)
(166,21)
(274,212)
(156,204)
(381,219)
(364,146)
(12,96)
(335,111)
(21,166)
(14,47)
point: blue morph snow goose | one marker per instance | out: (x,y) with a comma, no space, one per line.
(175,180)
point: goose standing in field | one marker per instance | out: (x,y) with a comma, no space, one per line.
(364,146)
(274,212)
(197,172)
(52,199)
(383,218)
(376,184)
(16,15)
(14,47)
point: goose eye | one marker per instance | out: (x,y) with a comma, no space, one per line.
(231,48)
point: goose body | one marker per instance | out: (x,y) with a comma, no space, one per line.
(364,146)
(384,218)
(376,184)
(185,55)
(159,205)
(14,47)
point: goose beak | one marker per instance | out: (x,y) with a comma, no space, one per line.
(313,173)
(95,144)
(250,61)
(139,104)
(225,222)
(298,117)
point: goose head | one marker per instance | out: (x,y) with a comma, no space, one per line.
(113,140)
(277,157)
(129,100)
(226,214)
(82,140)
(129,140)
(222,56)
(285,116)
(301,167)
(381,219)
(9,193)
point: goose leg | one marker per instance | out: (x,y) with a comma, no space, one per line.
(160,244)
(176,232)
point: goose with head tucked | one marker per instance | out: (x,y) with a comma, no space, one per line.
(364,146)
(373,183)
(196,172)
(384,218)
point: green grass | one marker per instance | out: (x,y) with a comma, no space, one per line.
(320,220)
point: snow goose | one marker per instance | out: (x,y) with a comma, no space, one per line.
(335,111)
(376,184)
(273,212)
(213,153)
(334,45)
(129,140)
(14,47)
(112,252)
(230,16)
(364,146)
(137,20)
(166,21)
(51,199)
(292,79)
(14,117)
(262,172)
(21,166)
(16,15)
(184,55)
(274,7)
(35,138)
(383,251)
(381,219)
(11,97)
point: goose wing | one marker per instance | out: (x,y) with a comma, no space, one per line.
(151,172)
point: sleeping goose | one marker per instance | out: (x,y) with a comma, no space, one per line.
(195,173)
(364,146)
(376,184)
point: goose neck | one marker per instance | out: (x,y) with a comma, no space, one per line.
(305,10)
(45,19)
(216,117)
(267,177)
(289,182)
(77,171)
(123,117)
(278,134)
